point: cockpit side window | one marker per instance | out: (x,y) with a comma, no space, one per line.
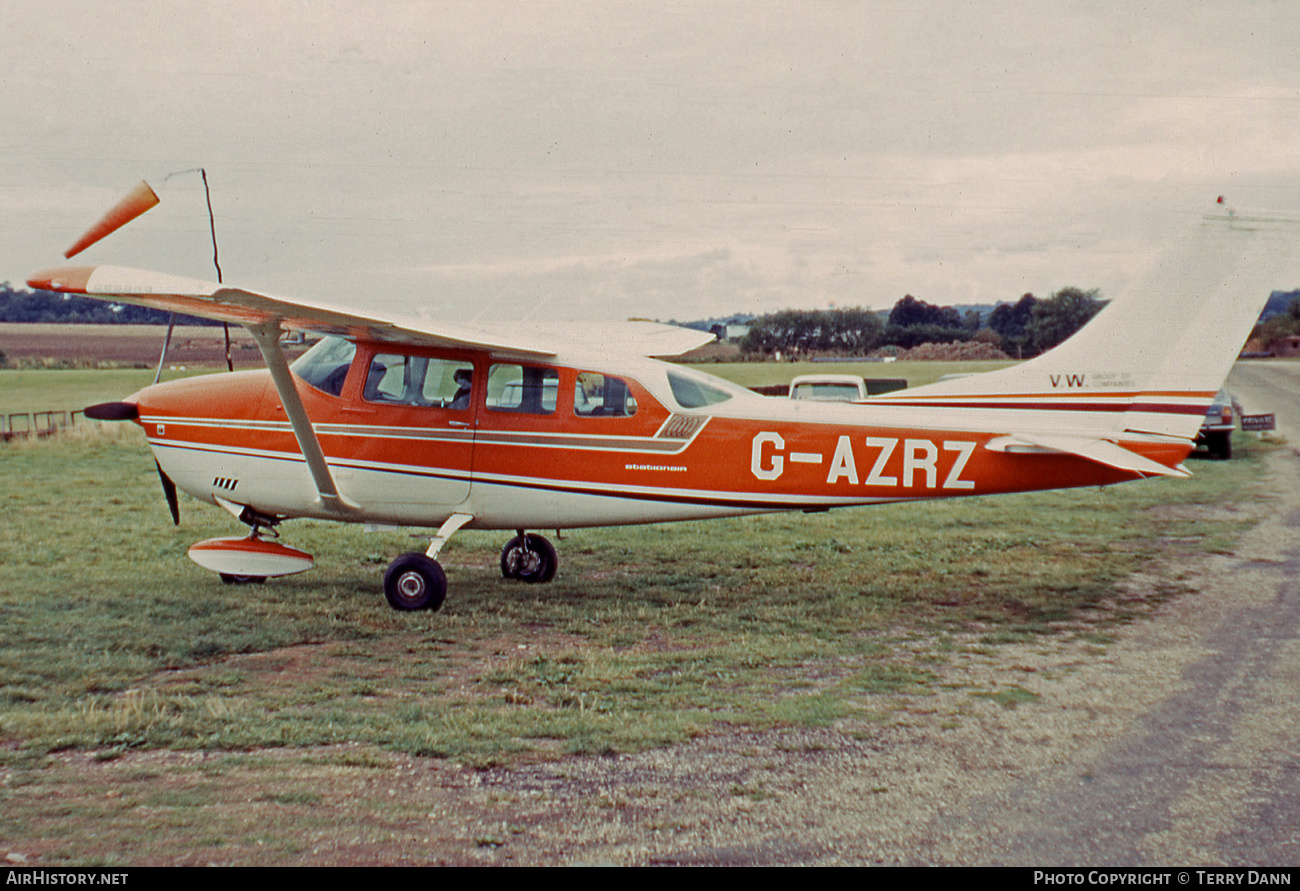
(325,366)
(418,380)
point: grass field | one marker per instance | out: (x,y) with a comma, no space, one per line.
(110,639)
(72,389)
(151,715)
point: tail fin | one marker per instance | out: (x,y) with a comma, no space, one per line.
(1151,360)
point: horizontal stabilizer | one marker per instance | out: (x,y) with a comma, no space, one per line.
(1099,450)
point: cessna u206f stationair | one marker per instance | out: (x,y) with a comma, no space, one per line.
(403,422)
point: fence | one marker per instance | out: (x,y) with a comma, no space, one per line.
(24,424)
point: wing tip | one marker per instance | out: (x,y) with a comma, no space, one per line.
(66,279)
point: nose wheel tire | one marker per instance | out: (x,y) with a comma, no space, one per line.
(530,558)
(413,582)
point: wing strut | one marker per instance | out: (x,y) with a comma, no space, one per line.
(267,336)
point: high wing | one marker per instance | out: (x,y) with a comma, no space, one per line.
(267,317)
(252,309)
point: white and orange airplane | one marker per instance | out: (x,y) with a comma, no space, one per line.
(402,422)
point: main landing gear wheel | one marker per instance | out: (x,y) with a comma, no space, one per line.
(529,558)
(413,581)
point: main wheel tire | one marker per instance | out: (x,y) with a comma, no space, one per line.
(413,581)
(535,563)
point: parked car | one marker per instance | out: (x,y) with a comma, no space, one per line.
(1216,430)
(828,387)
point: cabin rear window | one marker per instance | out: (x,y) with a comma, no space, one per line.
(695,392)
(601,396)
(524,389)
(325,366)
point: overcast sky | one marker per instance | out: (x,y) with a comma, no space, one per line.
(521,160)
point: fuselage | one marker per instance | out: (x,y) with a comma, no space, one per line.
(413,436)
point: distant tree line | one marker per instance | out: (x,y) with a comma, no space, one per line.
(1024,328)
(1281,317)
(829,330)
(20,305)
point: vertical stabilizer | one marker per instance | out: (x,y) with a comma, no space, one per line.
(1182,326)
(1153,358)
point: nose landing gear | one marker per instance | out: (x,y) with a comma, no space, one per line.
(250,559)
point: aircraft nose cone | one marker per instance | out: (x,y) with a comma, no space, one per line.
(112,411)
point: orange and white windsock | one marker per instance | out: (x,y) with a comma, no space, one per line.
(136,202)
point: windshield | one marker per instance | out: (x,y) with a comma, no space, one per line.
(325,366)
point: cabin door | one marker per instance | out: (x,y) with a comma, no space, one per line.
(419,434)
